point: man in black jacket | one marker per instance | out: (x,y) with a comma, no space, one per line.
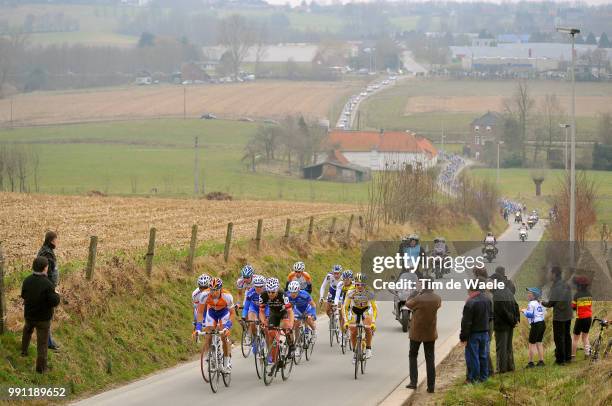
(561,301)
(475,335)
(506,317)
(39,298)
(48,251)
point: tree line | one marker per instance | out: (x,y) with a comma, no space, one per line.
(19,168)
(294,141)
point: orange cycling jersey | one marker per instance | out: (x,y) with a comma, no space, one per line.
(224,300)
(302,277)
(582,303)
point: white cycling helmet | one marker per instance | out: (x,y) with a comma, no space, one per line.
(259,281)
(299,267)
(294,287)
(272,285)
(204,280)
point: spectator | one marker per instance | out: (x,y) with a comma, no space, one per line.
(482,275)
(48,251)
(500,275)
(423,330)
(506,317)
(475,335)
(561,301)
(535,314)
(582,304)
(39,298)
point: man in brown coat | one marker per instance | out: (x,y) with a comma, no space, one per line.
(423,330)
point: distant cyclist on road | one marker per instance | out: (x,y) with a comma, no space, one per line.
(280,312)
(250,311)
(343,286)
(330,282)
(304,307)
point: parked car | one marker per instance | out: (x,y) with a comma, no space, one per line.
(247,119)
(208,116)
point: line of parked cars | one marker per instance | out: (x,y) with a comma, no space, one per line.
(345,120)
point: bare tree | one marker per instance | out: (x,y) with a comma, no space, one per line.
(21,162)
(35,168)
(520,105)
(261,46)
(10,168)
(3,163)
(11,49)
(236,34)
(552,114)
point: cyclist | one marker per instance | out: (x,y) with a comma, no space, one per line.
(343,286)
(332,279)
(243,284)
(583,305)
(216,304)
(251,303)
(360,300)
(303,306)
(411,246)
(299,274)
(280,312)
(203,282)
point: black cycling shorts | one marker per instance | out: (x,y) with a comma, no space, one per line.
(275,318)
(536,333)
(582,326)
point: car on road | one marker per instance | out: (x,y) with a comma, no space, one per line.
(364,94)
(208,116)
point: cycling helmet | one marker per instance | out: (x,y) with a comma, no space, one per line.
(203,281)
(247,271)
(414,237)
(489,234)
(272,285)
(440,239)
(299,266)
(259,281)
(348,274)
(361,278)
(294,287)
(337,268)
(216,284)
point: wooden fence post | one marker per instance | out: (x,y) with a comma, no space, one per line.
(2,298)
(360,221)
(91,259)
(310,228)
(192,247)
(151,251)
(228,241)
(350,226)
(258,235)
(332,230)
(287,229)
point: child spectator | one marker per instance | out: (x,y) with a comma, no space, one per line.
(582,305)
(535,314)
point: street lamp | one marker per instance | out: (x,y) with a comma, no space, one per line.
(498,144)
(572,219)
(566,126)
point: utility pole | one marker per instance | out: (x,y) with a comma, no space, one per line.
(196,169)
(498,144)
(566,127)
(443,137)
(184,102)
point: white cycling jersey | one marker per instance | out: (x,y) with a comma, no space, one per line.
(331,281)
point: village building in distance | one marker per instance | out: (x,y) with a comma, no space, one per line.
(350,156)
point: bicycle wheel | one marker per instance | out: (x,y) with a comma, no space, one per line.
(287,364)
(299,346)
(246,342)
(363,360)
(203,365)
(344,342)
(357,354)
(337,327)
(260,346)
(595,349)
(227,378)
(269,368)
(213,368)
(332,327)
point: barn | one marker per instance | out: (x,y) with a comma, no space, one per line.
(380,150)
(335,167)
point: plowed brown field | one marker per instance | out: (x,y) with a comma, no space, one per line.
(269,99)
(123,223)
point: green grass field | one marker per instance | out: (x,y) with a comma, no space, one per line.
(136,156)
(517,184)
(387,109)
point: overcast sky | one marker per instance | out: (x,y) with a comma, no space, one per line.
(297,2)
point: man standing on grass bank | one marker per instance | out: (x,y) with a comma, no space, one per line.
(423,330)
(475,335)
(560,300)
(48,251)
(39,298)
(506,317)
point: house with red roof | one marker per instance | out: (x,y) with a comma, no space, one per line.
(380,150)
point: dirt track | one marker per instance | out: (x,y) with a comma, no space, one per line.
(123,223)
(266,99)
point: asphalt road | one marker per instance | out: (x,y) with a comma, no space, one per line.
(325,380)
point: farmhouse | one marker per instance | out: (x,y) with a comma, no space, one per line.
(383,150)
(484,129)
